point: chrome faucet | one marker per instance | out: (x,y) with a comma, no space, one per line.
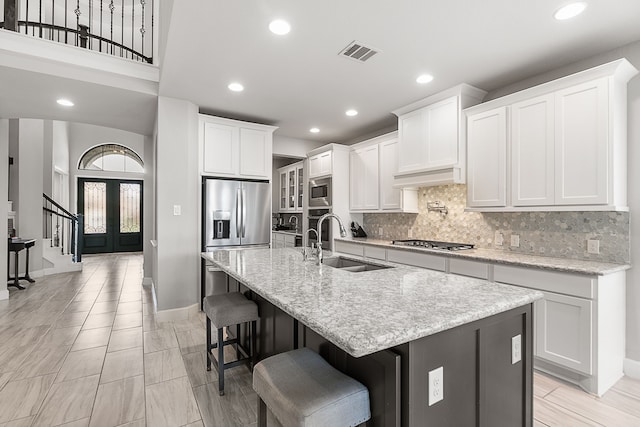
(304,244)
(291,221)
(343,231)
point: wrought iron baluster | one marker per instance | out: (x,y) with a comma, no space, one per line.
(53,19)
(26,18)
(100,44)
(111,8)
(142,29)
(133,8)
(66,31)
(77,12)
(153,32)
(90,22)
(40,20)
(122,28)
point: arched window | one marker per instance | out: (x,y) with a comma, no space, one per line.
(111,157)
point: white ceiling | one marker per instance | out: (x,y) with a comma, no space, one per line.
(299,81)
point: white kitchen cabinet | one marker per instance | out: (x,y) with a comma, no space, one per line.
(364,185)
(582,144)
(320,164)
(372,166)
(568,145)
(487,148)
(291,188)
(563,331)
(235,149)
(431,138)
(532,152)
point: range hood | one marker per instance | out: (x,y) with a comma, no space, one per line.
(432,138)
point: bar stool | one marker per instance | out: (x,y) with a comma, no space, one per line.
(302,389)
(225,310)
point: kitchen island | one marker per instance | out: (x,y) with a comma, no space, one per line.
(390,327)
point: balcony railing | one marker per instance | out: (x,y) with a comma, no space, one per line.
(122,28)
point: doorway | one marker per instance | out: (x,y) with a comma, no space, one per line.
(112,210)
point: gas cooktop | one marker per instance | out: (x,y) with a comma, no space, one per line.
(432,244)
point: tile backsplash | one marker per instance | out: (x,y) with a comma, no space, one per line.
(556,234)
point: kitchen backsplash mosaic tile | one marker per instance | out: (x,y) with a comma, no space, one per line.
(556,234)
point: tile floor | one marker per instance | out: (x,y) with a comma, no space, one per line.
(86,349)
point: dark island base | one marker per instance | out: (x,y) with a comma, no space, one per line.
(481,385)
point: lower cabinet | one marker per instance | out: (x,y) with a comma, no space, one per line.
(563,331)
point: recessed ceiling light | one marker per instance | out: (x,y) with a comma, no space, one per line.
(424,78)
(236,87)
(65,102)
(351,113)
(314,130)
(279,27)
(570,10)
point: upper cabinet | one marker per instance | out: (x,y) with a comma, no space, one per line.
(321,164)
(372,166)
(291,187)
(431,143)
(235,149)
(565,141)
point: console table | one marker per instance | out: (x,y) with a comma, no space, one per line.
(15,246)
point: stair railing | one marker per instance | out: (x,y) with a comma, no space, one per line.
(115,27)
(64,229)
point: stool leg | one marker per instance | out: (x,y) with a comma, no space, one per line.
(262,413)
(237,340)
(208,344)
(252,344)
(220,362)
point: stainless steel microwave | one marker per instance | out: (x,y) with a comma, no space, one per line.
(319,192)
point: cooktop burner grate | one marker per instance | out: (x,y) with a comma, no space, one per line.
(432,244)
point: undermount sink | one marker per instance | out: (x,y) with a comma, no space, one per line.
(354,266)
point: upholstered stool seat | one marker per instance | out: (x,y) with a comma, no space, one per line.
(225,310)
(302,389)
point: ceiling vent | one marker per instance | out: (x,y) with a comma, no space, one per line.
(358,51)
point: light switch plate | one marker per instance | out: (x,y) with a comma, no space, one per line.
(515,241)
(436,385)
(498,238)
(516,349)
(177,210)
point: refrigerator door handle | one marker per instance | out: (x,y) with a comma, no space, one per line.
(238,202)
(244,210)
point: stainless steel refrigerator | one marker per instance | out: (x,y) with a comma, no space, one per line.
(236,214)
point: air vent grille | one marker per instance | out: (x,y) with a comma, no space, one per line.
(358,51)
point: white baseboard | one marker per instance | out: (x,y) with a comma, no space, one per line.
(177,314)
(147,281)
(4,294)
(632,368)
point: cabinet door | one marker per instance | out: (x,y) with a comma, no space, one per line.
(442,137)
(389,196)
(486,162)
(412,135)
(532,145)
(255,153)
(563,331)
(291,191)
(300,191)
(582,144)
(220,146)
(356,195)
(283,191)
(320,165)
(363,178)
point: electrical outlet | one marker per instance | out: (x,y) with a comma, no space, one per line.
(515,241)
(379,231)
(436,385)
(516,349)
(593,246)
(498,238)
(177,210)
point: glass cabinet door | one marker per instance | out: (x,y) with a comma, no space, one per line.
(300,187)
(292,189)
(283,191)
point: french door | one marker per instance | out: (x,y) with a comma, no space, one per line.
(112,210)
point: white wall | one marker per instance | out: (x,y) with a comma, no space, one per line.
(30,178)
(60,163)
(177,183)
(4,195)
(148,232)
(293,147)
(632,53)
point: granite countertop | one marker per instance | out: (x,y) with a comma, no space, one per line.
(366,312)
(563,265)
